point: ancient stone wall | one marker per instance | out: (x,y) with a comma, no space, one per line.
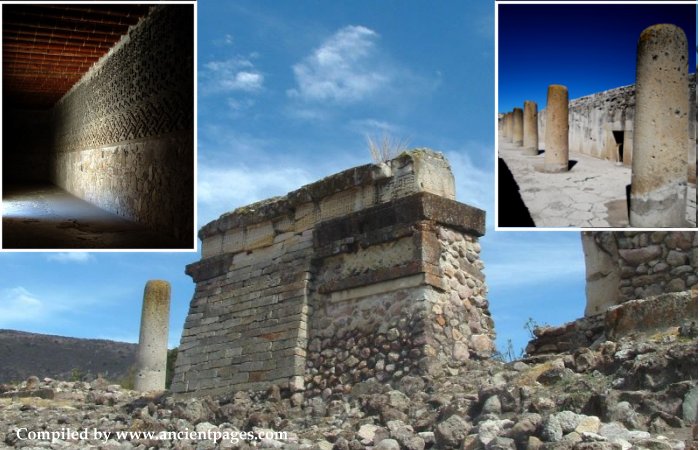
(645,316)
(25,151)
(375,269)
(628,265)
(122,137)
(602,124)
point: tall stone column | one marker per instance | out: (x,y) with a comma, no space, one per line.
(509,127)
(153,341)
(518,126)
(530,136)
(556,135)
(660,156)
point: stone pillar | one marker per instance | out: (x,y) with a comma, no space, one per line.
(556,134)
(509,127)
(660,157)
(518,126)
(530,136)
(153,340)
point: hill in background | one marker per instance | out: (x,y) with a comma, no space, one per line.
(25,354)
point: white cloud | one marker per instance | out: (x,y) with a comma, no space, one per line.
(515,260)
(346,68)
(371,126)
(473,184)
(70,257)
(222,189)
(17,305)
(235,74)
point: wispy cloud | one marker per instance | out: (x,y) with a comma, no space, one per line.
(18,305)
(70,257)
(235,74)
(225,40)
(222,189)
(370,126)
(346,68)
(474,184)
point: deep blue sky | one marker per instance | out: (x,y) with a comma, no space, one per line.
(588,48)
(287,92)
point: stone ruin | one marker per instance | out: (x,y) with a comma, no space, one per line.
(628,265)
(373,272)
(636,282)
(650,126)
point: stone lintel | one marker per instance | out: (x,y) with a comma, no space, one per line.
(404,211)
(385,274)
(651,314)
(424,163)
(208,268)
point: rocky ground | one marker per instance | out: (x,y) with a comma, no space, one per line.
(636,393)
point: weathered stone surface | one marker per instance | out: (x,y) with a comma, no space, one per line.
(153,340)
(659,163)
(650,314)
(556,151)
(518,126)
(622,266)
(530,136)
(134,158)
(352,278)
(451,432)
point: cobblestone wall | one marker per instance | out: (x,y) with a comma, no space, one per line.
(374,269)
(122,137)
(627,265)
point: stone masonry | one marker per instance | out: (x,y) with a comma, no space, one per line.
(628,265)
(637,282)
(122,138)
(371,273)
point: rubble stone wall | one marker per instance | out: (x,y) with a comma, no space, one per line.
(628,265)
(122,137)
(374,269)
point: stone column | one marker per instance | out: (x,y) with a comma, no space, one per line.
(509,127)
(518,126)
(660,155)
(556,134)
(530,136)
(153,340)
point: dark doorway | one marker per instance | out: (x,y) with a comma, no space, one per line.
(619,136)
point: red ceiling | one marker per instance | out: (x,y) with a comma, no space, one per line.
(48,48)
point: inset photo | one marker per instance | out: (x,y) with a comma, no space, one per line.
(597,115)
(98,136)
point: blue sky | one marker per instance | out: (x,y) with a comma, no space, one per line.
(287,93)
(587,47)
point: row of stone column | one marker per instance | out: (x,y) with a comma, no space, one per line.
(519,127)
(661,124)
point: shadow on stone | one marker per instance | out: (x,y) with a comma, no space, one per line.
(512,211)
(539,152)
(628,196)
(572,163)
